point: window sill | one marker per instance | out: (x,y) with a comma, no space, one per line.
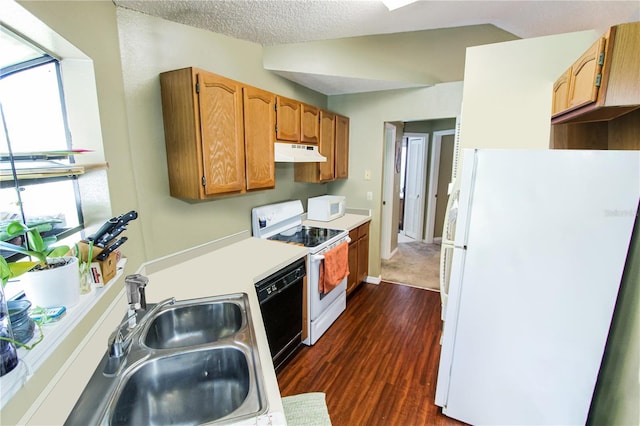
(54,335)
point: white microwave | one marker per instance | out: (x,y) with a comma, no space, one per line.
(326,207)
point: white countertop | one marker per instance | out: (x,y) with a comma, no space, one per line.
(349,221)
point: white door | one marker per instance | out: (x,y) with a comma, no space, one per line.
(414,186)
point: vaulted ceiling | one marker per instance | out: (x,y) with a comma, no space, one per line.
(274,23)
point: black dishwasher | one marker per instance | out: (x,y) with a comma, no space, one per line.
(280,297)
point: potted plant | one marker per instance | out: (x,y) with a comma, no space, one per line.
(53,280)
(8,353)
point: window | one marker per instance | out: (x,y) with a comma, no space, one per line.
(38,176)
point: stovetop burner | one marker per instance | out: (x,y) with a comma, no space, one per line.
(307,236)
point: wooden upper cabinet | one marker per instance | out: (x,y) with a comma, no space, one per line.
(341,150)
(603,82)
(287,119)
(204,135)
(334,144)
(221,122)
(585,77)
(326,145)
(219,134)
(259,122)
(310,124)
(561,93)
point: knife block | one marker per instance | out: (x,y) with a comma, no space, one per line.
(102,271)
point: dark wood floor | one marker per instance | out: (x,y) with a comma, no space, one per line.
(378,363)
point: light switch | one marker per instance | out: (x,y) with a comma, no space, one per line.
(367,174)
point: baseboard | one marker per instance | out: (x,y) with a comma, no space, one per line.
(373,280)
(395,250)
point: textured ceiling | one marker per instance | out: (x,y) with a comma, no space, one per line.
(273,22)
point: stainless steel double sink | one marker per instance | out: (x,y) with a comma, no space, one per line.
(192,362)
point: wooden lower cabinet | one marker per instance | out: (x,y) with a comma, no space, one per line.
(358,256)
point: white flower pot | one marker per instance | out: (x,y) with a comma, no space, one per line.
(53,287)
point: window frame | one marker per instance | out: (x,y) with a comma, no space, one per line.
(18,183)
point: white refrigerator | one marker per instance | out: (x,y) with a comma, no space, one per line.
(539,241)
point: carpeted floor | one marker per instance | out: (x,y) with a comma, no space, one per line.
(416,264)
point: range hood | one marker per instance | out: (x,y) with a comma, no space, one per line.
(297,153)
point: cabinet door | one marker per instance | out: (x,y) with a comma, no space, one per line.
(327,137)
(352,279)
(561,93)
(363,252)
(310,124)
(341,150)
(221,125)
(287,119)
(259,137)
(585,75)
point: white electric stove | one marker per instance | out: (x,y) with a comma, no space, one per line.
(283,222)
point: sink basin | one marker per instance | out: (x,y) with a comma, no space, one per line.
(193,362)
(193,324)
(190,388)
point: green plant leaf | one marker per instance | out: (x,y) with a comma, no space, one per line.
(58,251)
(5,271)
(36,242)
(19,268)
(15,228)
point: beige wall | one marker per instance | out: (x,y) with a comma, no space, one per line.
(368,113)
(507,89)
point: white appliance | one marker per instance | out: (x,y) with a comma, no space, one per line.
(540,241)
(297,153)
(283,222)
(326,207)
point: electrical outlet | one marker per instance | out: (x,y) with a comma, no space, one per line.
(369,196)
(367,174)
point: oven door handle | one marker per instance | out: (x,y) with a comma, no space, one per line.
(319,257)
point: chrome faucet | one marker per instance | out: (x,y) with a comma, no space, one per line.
(135,294)
(119,342)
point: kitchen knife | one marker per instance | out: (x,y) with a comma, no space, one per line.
(126,218)
(118,227)
(104,229)
(111,249)
(106,239)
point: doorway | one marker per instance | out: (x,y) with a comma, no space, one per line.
(414,258)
